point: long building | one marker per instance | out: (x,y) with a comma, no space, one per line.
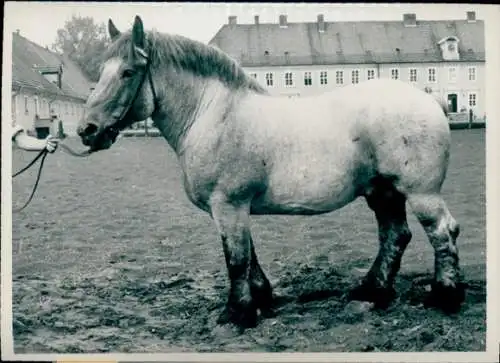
(46,88)
(445,57)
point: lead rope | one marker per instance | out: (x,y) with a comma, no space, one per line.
(43,154)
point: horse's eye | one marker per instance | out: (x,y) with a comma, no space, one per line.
(127,73)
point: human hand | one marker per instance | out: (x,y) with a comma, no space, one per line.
(52,143)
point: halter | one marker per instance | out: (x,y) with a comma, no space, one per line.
(122,111)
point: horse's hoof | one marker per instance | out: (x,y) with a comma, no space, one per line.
(268,312)
(244,318)
(446,298)
(223,317)
(379,296)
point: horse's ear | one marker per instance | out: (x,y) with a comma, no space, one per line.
(138,33)
(113,32)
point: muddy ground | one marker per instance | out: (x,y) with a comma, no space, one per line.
(111,257)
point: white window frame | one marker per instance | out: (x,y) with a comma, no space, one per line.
(288,82)
(472,71)
(353,72)
(372,70)
(395,71)
(37,105)
(269,79)
(308,79)
(339,76)
(450,79)
(429,75)
(410,79)
(323,78)
(253,75)
(469,99)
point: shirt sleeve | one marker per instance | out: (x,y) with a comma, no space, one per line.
(16,130)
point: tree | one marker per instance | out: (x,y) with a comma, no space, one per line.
(83,41)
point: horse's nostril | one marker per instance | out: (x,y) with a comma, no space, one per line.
(89,130)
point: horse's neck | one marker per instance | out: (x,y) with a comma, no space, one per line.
(192,100)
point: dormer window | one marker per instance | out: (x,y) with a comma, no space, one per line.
(449,48)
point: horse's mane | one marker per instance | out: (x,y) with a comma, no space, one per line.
(184,53)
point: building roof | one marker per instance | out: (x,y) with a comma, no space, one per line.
(29,59)
(264,44)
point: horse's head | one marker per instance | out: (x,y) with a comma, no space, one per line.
(124,92)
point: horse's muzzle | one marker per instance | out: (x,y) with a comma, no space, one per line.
(87,132)
(97,139)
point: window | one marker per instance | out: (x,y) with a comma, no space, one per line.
(288,79)
(472,100)
(26,110)
(253,75)
(355,76)
(413,75)
(307,79)
(269,79)
(370,74)
(432,75)
(452,74)
(339,77)
(395,73)
(472,73)
(323,77)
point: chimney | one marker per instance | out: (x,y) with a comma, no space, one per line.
(283,23)
(232,20)
(321,23)
(256,18)
(471,16)
(409,20)
(18,31)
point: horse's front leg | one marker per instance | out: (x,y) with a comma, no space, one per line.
(249,287)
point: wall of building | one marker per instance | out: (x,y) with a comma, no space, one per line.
(445,85)
(442,86)
(26,104)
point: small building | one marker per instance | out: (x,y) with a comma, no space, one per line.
(47,88)
(445,57)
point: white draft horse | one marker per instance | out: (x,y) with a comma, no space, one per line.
(245,152)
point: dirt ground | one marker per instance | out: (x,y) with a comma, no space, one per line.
(112,257)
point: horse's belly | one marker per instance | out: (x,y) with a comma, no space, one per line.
(306,194)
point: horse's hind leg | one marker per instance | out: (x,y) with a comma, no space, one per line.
(249,289)
(394,235)
(260,286)
(442,230)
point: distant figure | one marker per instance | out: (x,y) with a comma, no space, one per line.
(29,143)
(471,117)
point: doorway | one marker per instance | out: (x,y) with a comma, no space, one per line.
(452,102)
(42,132)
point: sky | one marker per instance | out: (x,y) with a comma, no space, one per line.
(39,21)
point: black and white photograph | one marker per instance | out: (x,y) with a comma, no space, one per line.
(236,181)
